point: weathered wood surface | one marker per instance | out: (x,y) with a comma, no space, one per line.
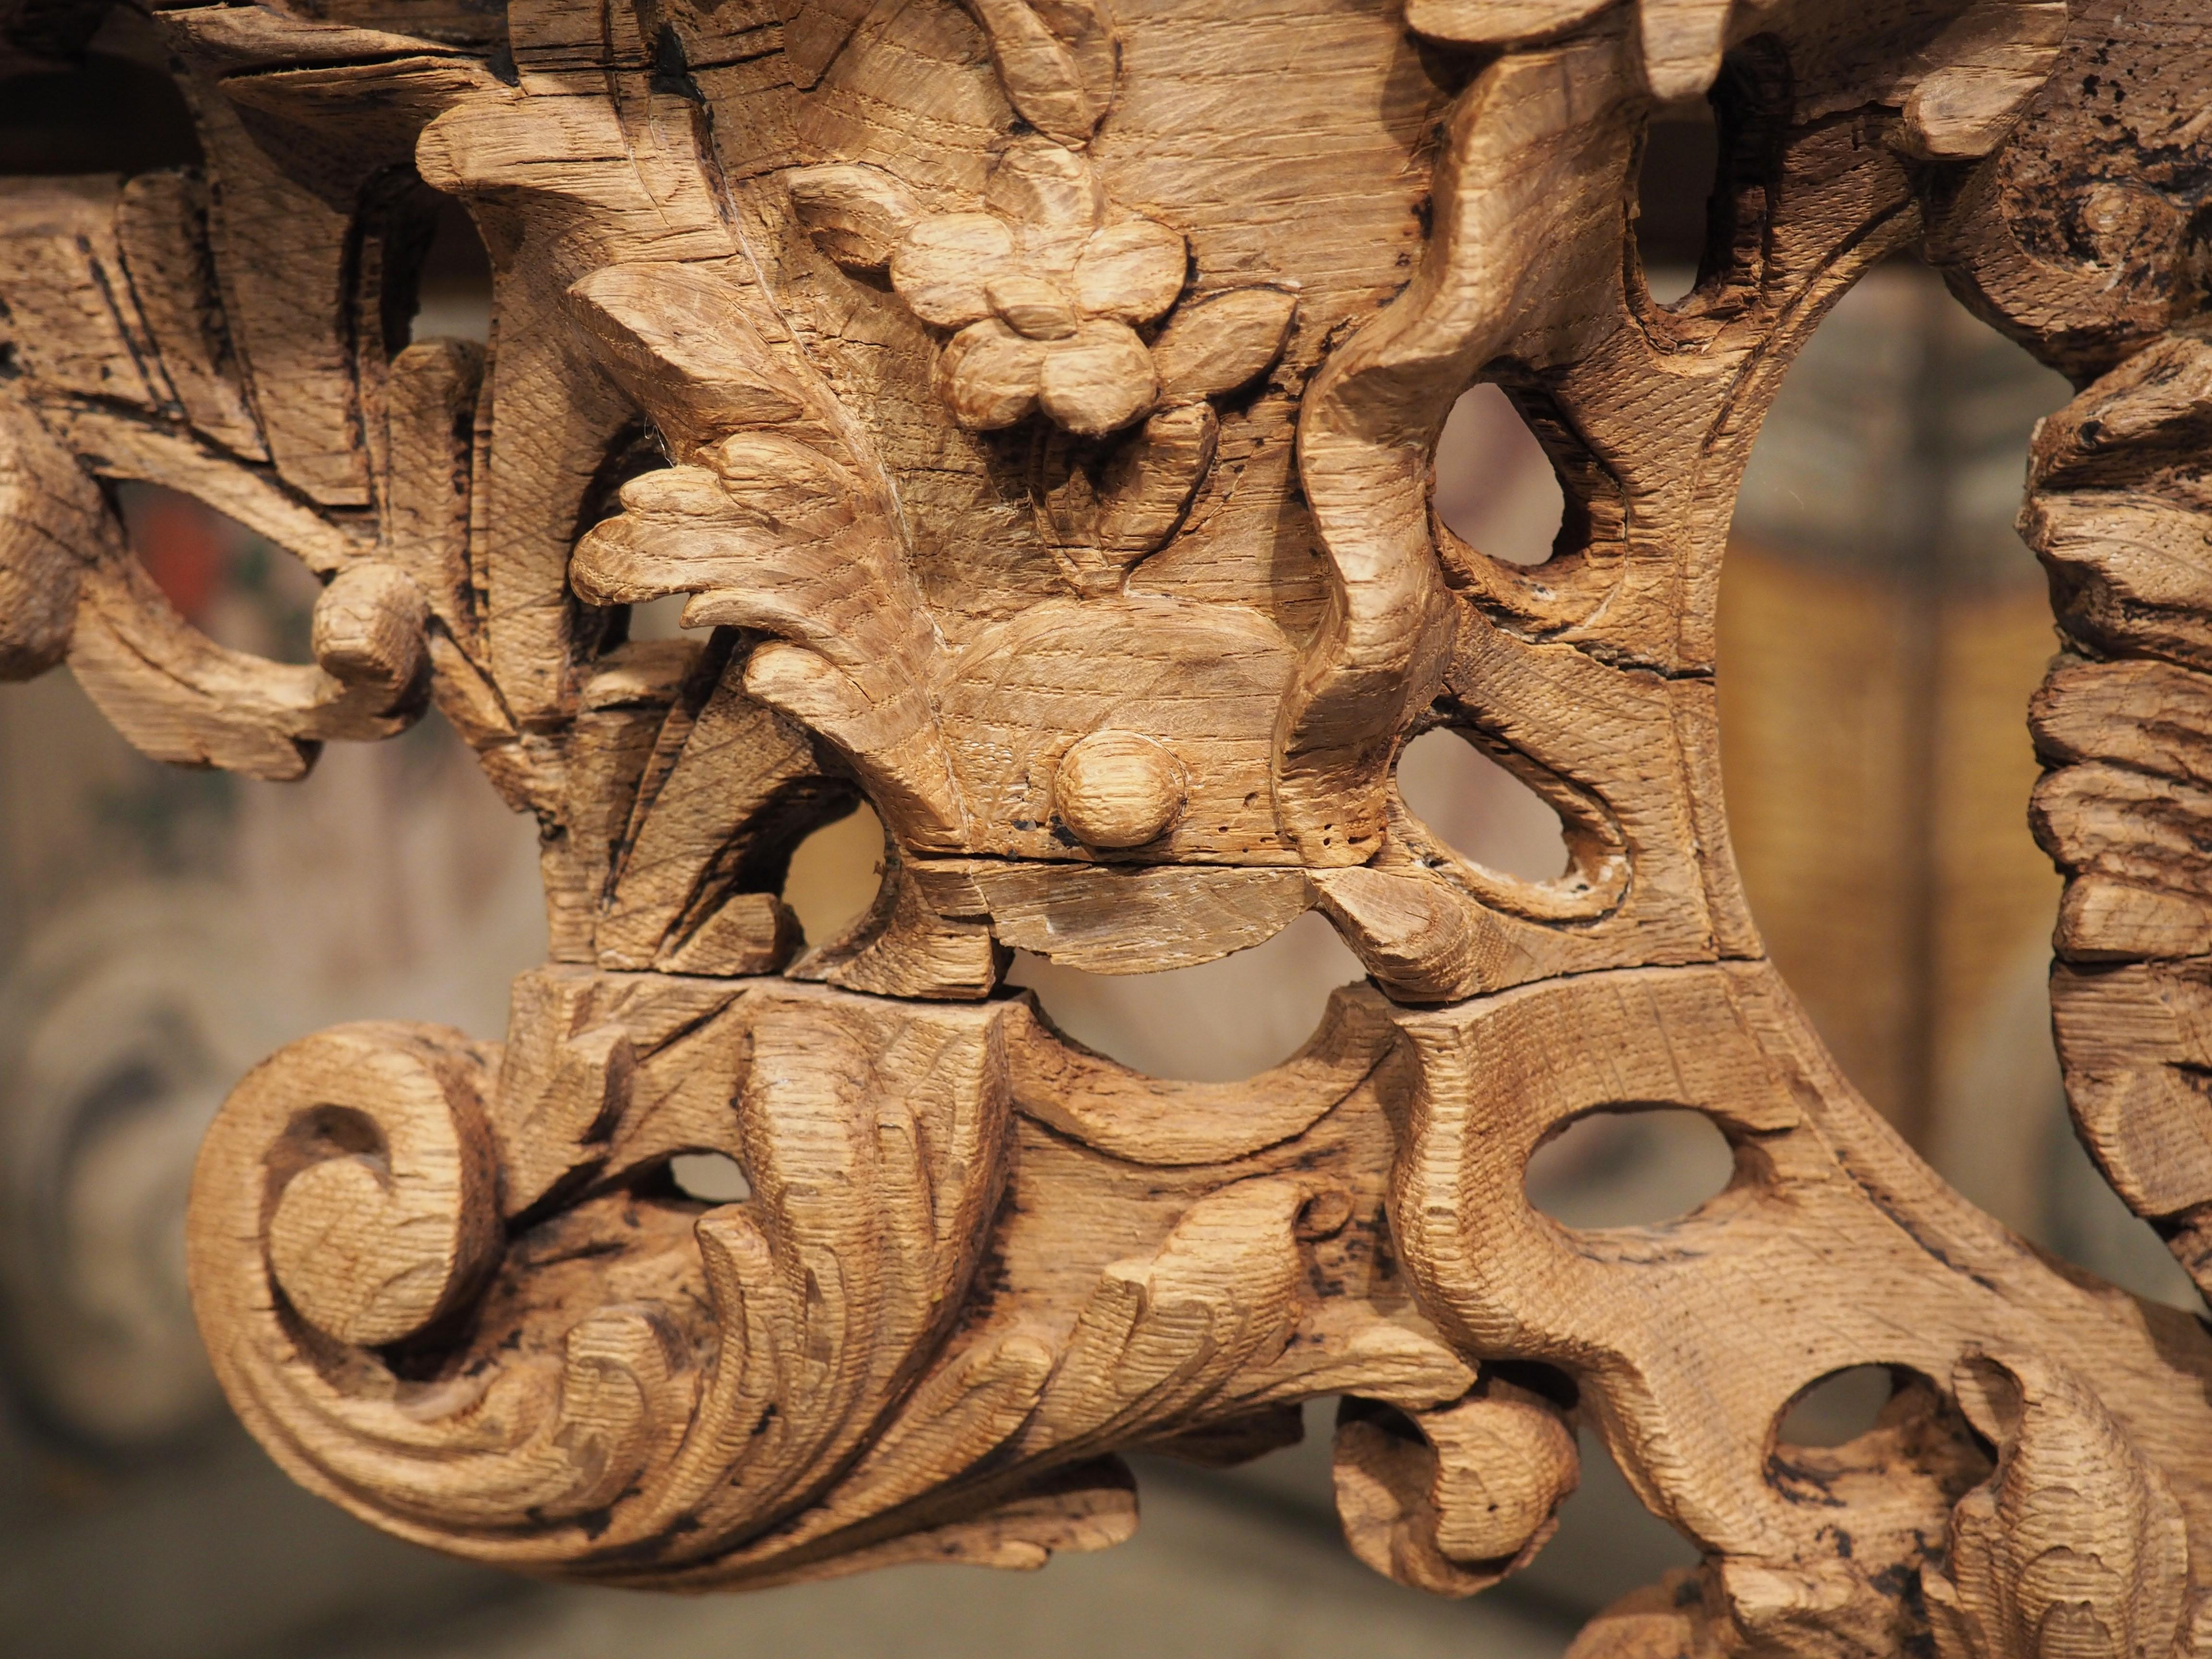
(1034,403)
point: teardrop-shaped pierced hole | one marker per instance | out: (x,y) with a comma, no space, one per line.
(836,873)
(1673,194)
(1479,808)
(1629,1167)
(1836,1409)
(709,1177)
(1496,489)
(1215,1023)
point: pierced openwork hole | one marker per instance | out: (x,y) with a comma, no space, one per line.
(1496,489)
(1880,630)
(836,873)
(709,1177)
(452,289)
(235,586)
(658,619)
(1479,808)
(1673,191)
(1629,1167)
(1836,1409)
(1216,1023)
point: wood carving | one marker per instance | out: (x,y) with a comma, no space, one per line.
(1034,403)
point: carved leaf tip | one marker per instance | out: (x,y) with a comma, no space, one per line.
(676,338)
(49,524)
(1983,69)
(855,212)
(2076,1548)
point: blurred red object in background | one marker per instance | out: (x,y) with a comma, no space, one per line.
(185,546)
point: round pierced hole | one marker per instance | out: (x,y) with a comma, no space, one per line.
(1837,1408)
(835,874)
(1496,489)
(1479,808)
(1629,1168)
(1212,1024)
(709,1177)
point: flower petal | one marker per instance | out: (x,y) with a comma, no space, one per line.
(987,375)
(1131,270)
(1053,198)
(945,261)
(1099,381)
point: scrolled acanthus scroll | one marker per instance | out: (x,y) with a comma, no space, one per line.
(1059,485)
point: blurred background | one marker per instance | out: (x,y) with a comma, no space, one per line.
(161,930)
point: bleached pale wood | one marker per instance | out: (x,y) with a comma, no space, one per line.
(1035,407)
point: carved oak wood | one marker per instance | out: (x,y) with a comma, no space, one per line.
(1035,402)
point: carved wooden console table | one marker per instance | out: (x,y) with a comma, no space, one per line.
(1036,403)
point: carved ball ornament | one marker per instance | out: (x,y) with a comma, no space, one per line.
(1033,405)
(1115,789)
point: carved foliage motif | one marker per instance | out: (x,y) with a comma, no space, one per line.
(1033,405)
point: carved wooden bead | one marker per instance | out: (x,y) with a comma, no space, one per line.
(1033,307)
(1116,789)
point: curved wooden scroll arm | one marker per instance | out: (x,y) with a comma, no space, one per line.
(1074,513)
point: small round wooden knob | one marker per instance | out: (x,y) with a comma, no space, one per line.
(1117,789)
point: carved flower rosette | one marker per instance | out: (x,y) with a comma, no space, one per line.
(1035,407)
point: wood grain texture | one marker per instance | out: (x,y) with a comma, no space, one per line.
(1034,405)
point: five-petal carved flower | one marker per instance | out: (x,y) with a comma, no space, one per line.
(1044,296)
(1044,291)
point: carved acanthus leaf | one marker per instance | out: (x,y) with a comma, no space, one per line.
(778,520)
(2076,1546)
